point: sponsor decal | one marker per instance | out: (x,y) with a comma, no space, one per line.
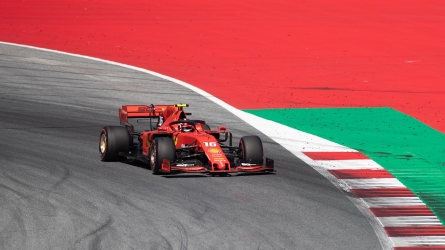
(217,155)
(218,159)
(185,165)
(214,150)
(176,139)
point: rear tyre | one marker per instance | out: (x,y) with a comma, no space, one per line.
(161,148)
(251,149)
(112,140)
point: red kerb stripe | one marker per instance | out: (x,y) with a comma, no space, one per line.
(415,231)
(319,156)
(382,192)
(361,173)
(401,211)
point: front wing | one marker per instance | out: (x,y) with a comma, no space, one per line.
(167,167)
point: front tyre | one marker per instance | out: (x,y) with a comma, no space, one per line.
(161,148)
(251,149)
(112,141)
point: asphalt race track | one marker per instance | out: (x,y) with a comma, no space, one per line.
(55,193)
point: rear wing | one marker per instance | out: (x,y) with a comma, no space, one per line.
(139,111)
(145,111)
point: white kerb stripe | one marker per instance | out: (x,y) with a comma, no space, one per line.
(418,241)
(373,183)
(349,164)
(393,201)
(406,221)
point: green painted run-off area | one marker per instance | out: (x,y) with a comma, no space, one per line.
(412,151)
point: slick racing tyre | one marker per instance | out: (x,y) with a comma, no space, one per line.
(251,149)
(112,140)
(161,148)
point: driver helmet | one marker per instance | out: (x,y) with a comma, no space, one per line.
(185,127)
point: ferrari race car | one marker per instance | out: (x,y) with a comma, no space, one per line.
(172,143)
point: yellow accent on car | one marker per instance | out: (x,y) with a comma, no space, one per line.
(181,105)
(214,150)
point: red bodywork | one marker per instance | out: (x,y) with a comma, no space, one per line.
(200,141)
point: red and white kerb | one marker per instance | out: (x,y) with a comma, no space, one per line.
(407,221)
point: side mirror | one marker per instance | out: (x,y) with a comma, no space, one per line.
(223,128)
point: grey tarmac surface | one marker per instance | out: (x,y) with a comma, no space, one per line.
(55,193)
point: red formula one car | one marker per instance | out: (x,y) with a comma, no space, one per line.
(174,143)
